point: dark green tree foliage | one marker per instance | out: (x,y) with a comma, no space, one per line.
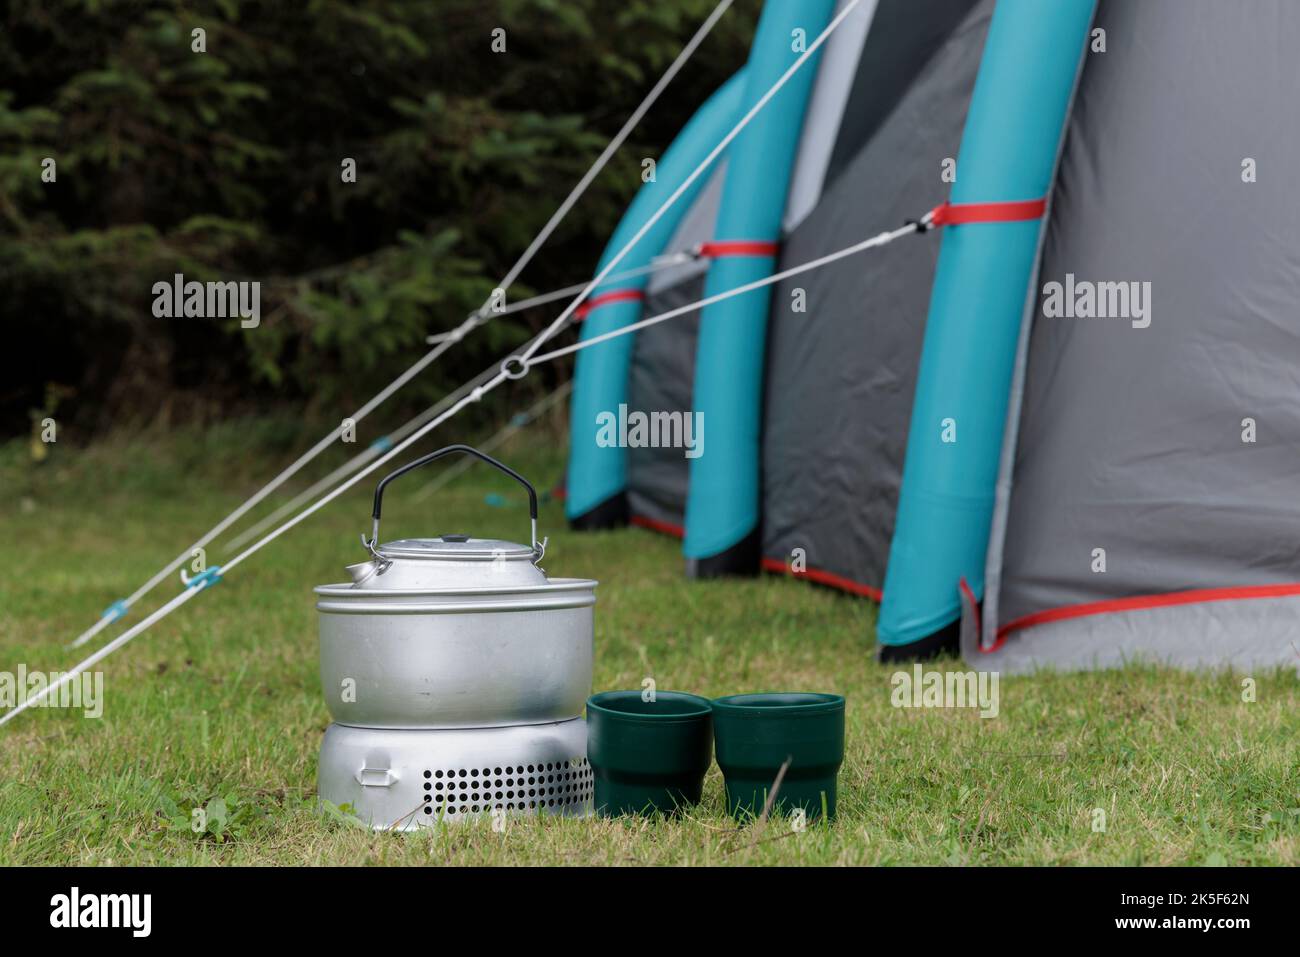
(226,165)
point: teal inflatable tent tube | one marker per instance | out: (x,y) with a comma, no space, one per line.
(596,480)
(1008,152)
(722,506)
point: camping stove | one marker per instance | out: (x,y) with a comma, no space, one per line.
(456,673)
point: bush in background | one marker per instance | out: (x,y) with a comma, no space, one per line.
(225,165)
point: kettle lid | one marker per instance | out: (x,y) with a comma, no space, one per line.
(455,548)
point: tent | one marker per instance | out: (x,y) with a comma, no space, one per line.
(1063,429)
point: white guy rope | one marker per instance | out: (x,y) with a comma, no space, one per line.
(347,468)
(306,495)
(180,599)
(119,609)
(160,613)
(516,423)
(504,373)
(658,263)
(617,141)
(364,456)
(369,452)
(882,239)
(478,391)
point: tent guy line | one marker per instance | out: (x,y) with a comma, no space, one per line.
(307,494)
(881,239)
(215,573)
(516,423)
(555,295)
(385,442)
(484,314)
(512,367)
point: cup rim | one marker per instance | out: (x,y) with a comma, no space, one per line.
(603,702)
(779,703)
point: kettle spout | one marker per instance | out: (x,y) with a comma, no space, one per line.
(362,571)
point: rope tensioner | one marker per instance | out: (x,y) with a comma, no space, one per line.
(204,579)
(116,610)
(514,367)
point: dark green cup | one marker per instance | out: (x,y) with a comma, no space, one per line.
(648,755)
(757,733)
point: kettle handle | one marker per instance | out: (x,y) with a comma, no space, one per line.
(539,547)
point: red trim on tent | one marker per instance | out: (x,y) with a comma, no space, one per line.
(950,214)
(823,578)
(773,564)
(969,595)
(1191,597)
(605,299)
(737,247)
(667,528)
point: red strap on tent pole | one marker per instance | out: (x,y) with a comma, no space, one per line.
(605,299)
(737,247)
(956,214)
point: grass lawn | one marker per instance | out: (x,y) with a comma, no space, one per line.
(220,705)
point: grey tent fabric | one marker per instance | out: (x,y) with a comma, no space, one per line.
(840,64)
(841,375)
(1124,439)
(696,227)
(662,379)
(905,115)
(904,36)
(1131,439)
(1244,635)
(663,364)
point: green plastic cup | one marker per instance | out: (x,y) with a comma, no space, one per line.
(648,756)
(757,733)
